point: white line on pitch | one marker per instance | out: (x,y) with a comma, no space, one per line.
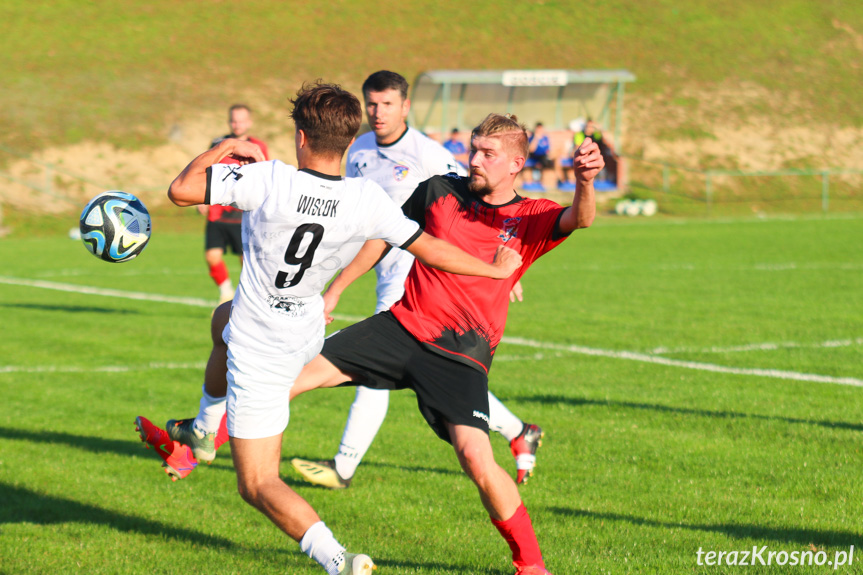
(125,272)
(628,355)
(759,346)
(695,267)
(195,365)
(73,288)
(643,357)
(102,369)
(193,301)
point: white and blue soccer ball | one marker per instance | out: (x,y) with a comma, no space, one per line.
(115,226)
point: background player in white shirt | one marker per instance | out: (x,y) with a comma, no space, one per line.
(302,226)
(399,158)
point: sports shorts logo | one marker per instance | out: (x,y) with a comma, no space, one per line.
(509,230)
(287,305)
(400,172)
(480,415)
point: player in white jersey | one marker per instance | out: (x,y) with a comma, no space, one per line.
(302,227)
(399,167)
(399,158)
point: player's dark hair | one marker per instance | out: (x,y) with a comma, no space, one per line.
(329,116)
(385,80)
(507,128)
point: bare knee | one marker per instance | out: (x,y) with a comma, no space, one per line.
(476,462)
(249,490)
(213,256)
(253,490)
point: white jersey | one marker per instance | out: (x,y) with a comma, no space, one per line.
(398,168)
(300,228)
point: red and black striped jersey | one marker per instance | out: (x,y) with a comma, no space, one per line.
(463,317)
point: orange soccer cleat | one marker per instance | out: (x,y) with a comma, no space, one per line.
(177,458)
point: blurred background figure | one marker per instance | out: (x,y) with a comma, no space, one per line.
(538,160)
(563,157)
(457,148)
(224,224)
(608,177)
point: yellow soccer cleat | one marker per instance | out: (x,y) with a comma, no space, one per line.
(357,564)
(321,473)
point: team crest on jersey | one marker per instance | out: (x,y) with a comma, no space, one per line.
(509,230)
(287,305)
(400,172)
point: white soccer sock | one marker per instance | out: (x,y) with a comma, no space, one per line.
(368,412)
(210,412)
(226,289)
(502,420)
(319,544)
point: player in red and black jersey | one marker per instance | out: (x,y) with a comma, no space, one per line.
(224,223)
(464,320)
(440,338)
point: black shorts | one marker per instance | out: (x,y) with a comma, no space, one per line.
(223,236)
(379,353)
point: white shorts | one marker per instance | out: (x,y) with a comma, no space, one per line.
(392,271)
(259,388)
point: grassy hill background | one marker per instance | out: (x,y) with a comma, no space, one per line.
(125,92)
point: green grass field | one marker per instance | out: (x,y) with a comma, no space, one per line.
(699,384)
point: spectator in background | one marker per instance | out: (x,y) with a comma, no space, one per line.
(538,159)
(563,159)
(457,148)
(607,178)
(224,223)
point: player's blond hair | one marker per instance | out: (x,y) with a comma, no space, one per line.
(328,115)
(508,129)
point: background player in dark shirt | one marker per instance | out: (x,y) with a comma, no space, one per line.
(440,338)
(224,223)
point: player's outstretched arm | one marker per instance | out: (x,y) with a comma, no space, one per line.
(587,162)
(190,187)
(444,256)
(370,254)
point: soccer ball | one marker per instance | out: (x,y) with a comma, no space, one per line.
(633,208)
(115,226)
(649,208)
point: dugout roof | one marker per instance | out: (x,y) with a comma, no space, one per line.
(445,99)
